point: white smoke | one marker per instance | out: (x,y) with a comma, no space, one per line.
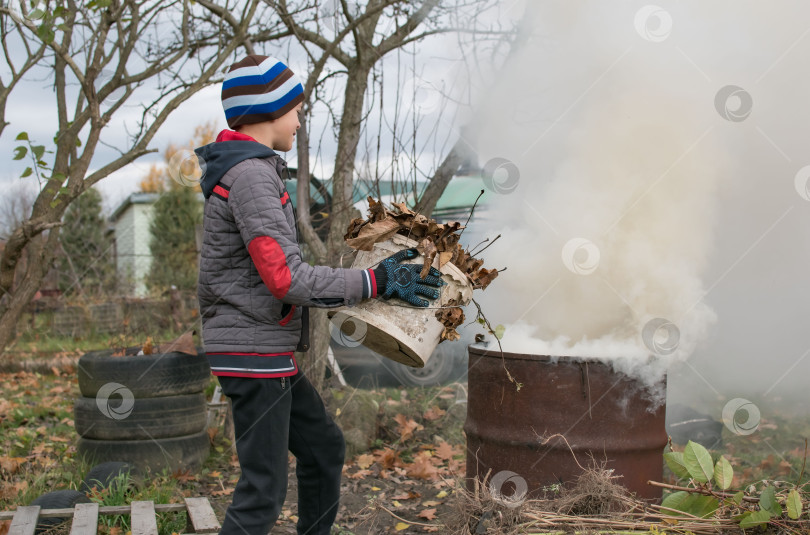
(610,224)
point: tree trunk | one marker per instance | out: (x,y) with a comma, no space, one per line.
(40,257)
(445,172)
(343,179)
(315,361)
(340,214)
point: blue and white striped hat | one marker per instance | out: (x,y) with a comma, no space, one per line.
(259,88)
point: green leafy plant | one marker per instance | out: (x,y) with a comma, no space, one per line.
(708,493)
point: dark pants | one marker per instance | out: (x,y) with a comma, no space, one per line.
(269,418)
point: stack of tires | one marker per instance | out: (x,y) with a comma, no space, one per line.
(147,410)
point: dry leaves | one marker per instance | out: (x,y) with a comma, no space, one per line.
(183,344)
(428,514)
(436,240)
(406,426)
(451,318)
(365,460)
(434,413)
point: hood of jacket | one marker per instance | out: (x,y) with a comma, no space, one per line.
(218,157)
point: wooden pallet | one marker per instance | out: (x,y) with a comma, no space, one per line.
(85,516)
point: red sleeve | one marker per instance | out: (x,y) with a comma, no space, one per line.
(272,265)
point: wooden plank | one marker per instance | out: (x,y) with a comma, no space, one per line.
(104,510)
(144,521)
(85,519)
(24,521)
(202,515)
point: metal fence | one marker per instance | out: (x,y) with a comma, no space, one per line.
(122,316)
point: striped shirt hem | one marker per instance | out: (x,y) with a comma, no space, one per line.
(252,364)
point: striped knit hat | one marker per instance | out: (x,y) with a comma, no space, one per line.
(259,88)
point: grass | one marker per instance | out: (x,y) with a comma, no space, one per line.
(37,439)
(125,489)
(38,340)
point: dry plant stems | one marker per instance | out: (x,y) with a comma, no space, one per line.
(477,511)
(804,463)
(471,213)
(390,512)
(595,501)
(701,490)
(487,247)
(491,331)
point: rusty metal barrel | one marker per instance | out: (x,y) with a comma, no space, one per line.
(605,416)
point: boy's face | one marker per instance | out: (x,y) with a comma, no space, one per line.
(283,129)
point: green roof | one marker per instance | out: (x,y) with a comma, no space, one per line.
(455,203)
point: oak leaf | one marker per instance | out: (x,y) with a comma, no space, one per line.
(373,233)
(406,426)
(445,451)
(428,249)
(406,495)
(360,474)
(387,458)
(428,514)
(445,257)
(364,461)
(422,467)
(434,413)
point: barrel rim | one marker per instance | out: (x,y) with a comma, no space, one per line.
(553,359)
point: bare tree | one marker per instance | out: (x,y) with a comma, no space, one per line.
(15,207)
(346,41)
(100,55)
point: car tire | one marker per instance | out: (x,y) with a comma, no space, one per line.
(146,418)
(176,453)
(58,499)
(145,376)
(107,475)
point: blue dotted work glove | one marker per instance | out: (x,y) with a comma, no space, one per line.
(403,280)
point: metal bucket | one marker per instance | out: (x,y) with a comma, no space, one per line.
(394,329)
(600,412)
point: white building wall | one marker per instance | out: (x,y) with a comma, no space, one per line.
(143,256)
(132,236)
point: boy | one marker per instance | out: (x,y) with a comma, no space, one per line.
(253,291)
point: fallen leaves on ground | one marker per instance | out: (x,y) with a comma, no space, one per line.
(36,428)
(406,426)
(428,514)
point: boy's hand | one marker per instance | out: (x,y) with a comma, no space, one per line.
(403,280)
